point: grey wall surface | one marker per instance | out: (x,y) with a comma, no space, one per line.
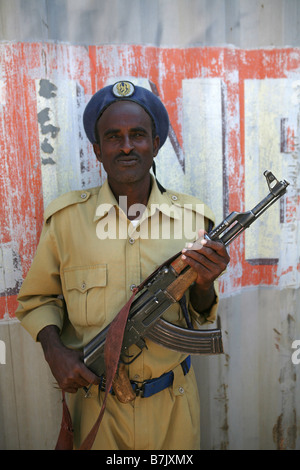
(249,395)
(242,23)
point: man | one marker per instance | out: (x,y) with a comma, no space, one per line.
(91,255)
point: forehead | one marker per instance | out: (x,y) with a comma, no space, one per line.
(124,113)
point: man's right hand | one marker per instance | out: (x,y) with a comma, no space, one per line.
(66,364)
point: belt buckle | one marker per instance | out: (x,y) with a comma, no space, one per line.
(140,388)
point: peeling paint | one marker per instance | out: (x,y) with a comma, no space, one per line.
(47,89)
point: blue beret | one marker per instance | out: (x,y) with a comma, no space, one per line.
(121,91)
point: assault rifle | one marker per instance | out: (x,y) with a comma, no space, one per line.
(167,285)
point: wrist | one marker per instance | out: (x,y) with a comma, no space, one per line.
(50,340)
(203,299)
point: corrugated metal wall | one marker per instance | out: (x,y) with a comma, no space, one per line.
(234,110)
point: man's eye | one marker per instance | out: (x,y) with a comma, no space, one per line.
(138,134)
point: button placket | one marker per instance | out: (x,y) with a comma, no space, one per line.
(133,263)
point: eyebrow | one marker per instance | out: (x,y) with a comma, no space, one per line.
(133,129)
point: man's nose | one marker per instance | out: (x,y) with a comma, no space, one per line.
(127,145)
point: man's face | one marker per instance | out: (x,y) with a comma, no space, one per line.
(126,145)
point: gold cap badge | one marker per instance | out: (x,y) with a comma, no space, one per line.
(123,89)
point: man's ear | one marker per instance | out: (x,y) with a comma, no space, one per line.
(155,146)
(97,151)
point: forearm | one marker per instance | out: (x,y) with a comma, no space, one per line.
(50,339)
(202,299)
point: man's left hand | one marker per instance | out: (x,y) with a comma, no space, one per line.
(208,258)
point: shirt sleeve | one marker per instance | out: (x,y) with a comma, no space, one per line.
(40,297)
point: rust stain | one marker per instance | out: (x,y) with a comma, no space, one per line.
(285,436)
(278,434)
(223,399)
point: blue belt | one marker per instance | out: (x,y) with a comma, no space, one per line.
(150,387)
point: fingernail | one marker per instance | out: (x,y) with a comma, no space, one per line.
(183,257)
(203,242)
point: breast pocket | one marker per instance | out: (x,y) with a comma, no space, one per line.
(85,294)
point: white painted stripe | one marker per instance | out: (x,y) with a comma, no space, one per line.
(267,103)
(202,136)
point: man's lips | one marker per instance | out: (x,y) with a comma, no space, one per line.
(127,160)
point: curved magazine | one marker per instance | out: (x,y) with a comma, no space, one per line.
(182,339)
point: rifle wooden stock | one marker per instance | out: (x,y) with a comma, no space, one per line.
(178,287)
(178,264)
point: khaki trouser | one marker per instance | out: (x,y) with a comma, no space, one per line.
(168,420)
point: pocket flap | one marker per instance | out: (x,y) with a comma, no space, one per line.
(86,277)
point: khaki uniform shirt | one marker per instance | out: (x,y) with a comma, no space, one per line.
(89,257)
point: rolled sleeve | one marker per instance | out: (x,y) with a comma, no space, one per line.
(35,320)
(40,297)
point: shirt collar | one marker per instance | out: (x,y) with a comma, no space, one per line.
(157,201)
(162,202)
(105,201)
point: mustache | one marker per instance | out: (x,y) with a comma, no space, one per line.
(127,156)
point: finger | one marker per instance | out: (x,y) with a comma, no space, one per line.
(198,262)
(205,253)
(196,245)
(201,233)
(88,376)
(206,258)
(206,274)
(80,377)
(216,246)
(202,268)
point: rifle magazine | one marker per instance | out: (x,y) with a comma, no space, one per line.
(171,336)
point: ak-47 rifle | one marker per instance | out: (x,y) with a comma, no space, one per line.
(167,285)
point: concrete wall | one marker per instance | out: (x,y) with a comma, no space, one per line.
(229,74)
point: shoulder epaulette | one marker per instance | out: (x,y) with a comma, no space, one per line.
(196,204)
(68,199)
